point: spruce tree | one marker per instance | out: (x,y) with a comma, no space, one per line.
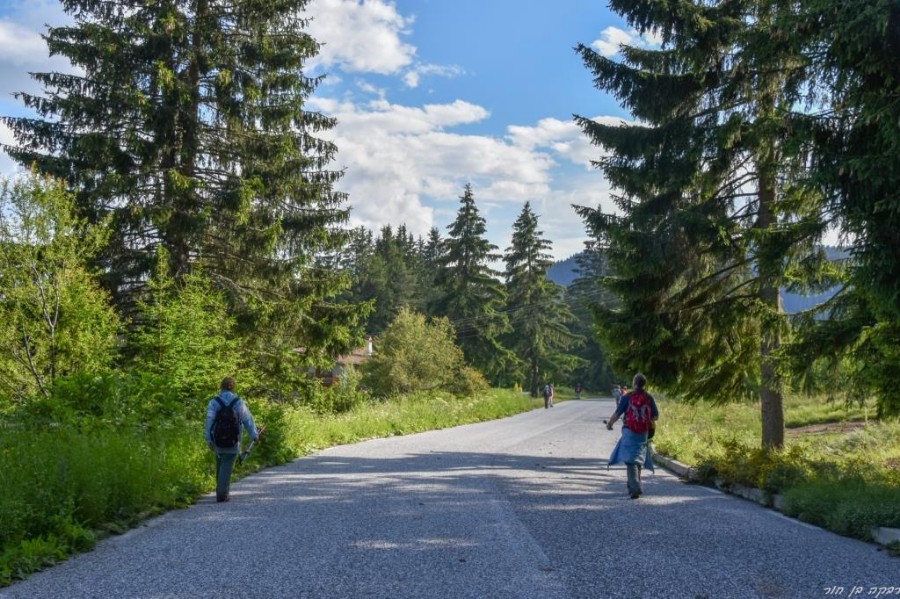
(186,129)
(471,294)
(540,337)
(432,253)
(854,134)
(394,277)
(712,222)
(585,292)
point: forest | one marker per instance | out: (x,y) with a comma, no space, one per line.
(176,220)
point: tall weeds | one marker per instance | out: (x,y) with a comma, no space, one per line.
(63,485)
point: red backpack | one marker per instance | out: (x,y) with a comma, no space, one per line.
(638,416)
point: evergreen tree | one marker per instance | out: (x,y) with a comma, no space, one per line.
(471,295)
(713,222)
(431,255)
(186,129)
(855,136)
(540,318)
(387,273)
(184,334)
(585,292)
(433,249)
(394,277)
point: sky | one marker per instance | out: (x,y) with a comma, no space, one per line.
(430,95)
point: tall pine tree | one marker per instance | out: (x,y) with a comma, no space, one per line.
(582,295)
(712,220)
(855,156)
(186,127)
(471,294)
(540,318)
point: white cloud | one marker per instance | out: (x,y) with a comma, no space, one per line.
(368,88)
(563,138)
(612,38)
(413,76)
(20,45)
(405,165)
(22,50)
(397,157)
(360,36)
(367,37)
(7,166)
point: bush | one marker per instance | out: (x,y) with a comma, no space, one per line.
(772,471)
(414,355)
(55,318)
(468,381)
(849,507)
(342,396)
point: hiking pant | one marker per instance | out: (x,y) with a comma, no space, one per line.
(224,466)
(634,477)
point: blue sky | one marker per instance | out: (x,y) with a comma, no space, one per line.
(431,95)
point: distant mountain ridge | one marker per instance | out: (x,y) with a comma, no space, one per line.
(564,273)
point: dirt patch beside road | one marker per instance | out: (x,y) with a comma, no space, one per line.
(827,427)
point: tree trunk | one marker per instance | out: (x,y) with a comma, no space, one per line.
(770,398)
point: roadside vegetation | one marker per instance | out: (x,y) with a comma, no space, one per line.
(839,468)
(67,484)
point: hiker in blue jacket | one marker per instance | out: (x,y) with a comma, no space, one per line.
(633,447)
(226,455)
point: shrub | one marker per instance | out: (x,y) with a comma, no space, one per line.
(54,318)
(850,507)
(342,396)
(772,471)
(468,381)
(185,335)
(414,355)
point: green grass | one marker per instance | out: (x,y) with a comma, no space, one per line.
(62,488)
(805,411)
(838,469)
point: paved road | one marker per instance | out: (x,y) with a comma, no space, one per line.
(522,507)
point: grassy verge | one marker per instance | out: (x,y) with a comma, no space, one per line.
(63,488)
(838,469)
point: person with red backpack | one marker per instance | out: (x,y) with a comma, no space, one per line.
(226,417)
(638,411)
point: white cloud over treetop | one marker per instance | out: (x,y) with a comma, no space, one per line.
(396,156)
(404,164)
(612,38)
(563,138)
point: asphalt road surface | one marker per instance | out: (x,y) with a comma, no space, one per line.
(521,507)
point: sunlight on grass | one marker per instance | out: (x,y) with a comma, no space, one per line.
(60,487)
(838,469)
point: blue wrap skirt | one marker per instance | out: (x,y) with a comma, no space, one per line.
(632,448)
